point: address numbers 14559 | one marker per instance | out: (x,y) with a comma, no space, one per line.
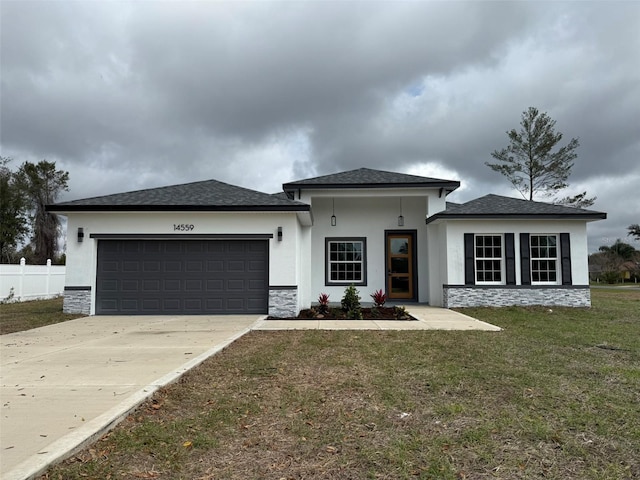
(183,227)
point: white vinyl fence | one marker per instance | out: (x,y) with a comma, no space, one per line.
(19,283)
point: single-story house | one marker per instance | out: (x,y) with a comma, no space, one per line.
(213,248)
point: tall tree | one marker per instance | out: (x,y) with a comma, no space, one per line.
(634,231)
(619,248)
(532,165)
(42,185)
(14,224)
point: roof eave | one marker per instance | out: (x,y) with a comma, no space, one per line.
(293,187)
(523,216)
(177,208)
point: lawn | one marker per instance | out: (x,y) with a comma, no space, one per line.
(555,395)
(17,317)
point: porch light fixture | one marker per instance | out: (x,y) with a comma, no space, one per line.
(400,217)
(333,217)
(80,234)
(279,234)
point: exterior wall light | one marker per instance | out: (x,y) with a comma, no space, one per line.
(279,234)
(333,217)
(400,217)
(80,234)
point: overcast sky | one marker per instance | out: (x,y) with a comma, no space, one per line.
(137,95)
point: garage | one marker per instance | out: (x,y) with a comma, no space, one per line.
(182,277)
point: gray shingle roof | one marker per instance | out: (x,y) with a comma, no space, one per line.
(209,195)
(369,178)
(496,206)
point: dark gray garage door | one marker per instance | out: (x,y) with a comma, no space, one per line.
(190,277)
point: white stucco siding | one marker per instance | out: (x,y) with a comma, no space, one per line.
(283,255)
(369,218)
(455,231)
(437,268)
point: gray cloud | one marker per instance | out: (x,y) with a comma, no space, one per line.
(132,95)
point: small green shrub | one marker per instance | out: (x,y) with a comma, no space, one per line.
(400,313)
(351,303)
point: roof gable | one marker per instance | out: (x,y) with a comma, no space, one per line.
(369,178)
(209,195)
(497,206)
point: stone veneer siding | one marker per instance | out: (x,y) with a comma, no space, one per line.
(283,301)
(496,296)
(77,300)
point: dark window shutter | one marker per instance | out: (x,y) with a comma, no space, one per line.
(469,260)
(510,256)
(565,258)
(525,259)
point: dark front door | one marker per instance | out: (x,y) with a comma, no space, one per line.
(189,277)
(400,265)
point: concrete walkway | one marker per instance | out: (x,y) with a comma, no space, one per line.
(428,318)
(64,385)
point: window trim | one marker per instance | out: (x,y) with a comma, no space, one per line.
(557,259)
(502,259)
(327,261)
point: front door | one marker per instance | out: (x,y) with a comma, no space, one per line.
(400,265)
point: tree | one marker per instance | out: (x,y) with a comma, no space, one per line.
(42,183)
(530,163)
(14,224)
(623,250)
(634,231)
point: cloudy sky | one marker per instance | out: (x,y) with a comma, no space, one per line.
(135,95)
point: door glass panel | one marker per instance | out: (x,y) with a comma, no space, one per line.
(400,284)
(399,246)
(399,265)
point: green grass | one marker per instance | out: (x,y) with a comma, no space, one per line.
(17,317)
(555,395)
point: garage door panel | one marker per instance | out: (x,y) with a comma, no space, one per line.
(193,285)
(151,266)
(172,266)
(131,247)
(182,276)
(215,285)
(195,266)
(171,285)
(171,305)
(236,266)
(129,305)
(130,285)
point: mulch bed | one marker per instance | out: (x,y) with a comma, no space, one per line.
(382,313)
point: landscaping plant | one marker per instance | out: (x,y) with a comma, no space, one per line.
(351,303)
(323,304)
(379,298)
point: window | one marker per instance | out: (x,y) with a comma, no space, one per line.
(488,258)
(544,259)
(346,261)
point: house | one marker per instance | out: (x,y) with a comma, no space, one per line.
(211,247)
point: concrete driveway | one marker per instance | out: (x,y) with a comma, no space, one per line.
(60,385)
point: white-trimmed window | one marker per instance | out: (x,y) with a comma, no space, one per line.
(346,261)
(544,259)
(489,256)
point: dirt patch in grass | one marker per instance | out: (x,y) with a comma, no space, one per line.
(20,316)
(538,400)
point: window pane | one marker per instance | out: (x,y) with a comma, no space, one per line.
(544,254)
(400,265)
(345,261)
(399,245)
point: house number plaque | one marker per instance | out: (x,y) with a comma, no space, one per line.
(183,227)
